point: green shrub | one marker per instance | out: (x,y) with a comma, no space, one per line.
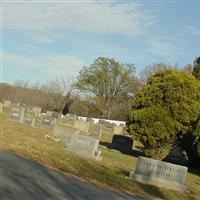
(164,111)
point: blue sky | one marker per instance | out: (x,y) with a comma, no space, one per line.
(43,40)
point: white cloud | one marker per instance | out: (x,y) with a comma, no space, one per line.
(191,30)
(166,47)
(52,64)
(97,17)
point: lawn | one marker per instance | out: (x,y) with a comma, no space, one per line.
(111,172)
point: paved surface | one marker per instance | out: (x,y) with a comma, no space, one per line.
(23,179)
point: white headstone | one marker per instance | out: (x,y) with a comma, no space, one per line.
(64,133)
(48,122)
(16,113)
(7,103)
(160,173)
(96,131)
(28,119)
(22,115)
(85,145)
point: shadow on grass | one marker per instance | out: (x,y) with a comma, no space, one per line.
(194,171)
(151,190)
(161,193)
(135,153)
(146,188)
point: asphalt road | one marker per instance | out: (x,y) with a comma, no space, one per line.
(23,179)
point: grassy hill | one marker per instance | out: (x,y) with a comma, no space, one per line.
(112,171)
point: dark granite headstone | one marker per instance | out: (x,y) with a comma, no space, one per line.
(122,143)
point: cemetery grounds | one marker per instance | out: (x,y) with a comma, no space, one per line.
(111,172)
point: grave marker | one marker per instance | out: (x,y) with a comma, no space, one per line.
(36,111)
(17,113)
(28,119)
(7,103)
(160,173)
(85,145)
(82,126)
(118,129)
(122,143)
(96,131)
(48,122)
(64,133)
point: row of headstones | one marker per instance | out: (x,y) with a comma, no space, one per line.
(20,114)
(37,111)
(75,141)
(85,125)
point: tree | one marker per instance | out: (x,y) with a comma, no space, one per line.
(191,143)
(196,70)
(189,68)
(151,70)
(164,111)
(106,79)
(59,94)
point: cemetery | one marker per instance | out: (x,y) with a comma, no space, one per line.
(83,139)
(76,145)
(100,93)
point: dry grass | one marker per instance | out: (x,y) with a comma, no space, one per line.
(112,171)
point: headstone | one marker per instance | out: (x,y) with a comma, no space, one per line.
(17,113)
(7,103)
(177,155)
(48,122)
(1,107)
(81,125)
(28,109)
(22,115)
(49,113)
(56,115)
(36,110)
(118,129)
(28,119)
(159,173)
(96,131)
(85,145)
(106,123)
(122,143)
(64,133)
